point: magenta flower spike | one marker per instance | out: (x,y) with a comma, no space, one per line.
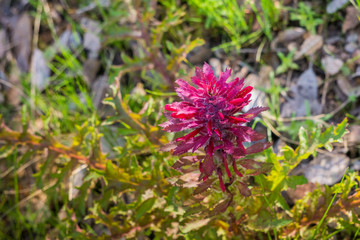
(212,110)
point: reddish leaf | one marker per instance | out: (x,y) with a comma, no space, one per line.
(200,141)
(253,112)
(244,190)
(236,169)
(249,164)
(184,161)
(221,182)
(208,166)
(190,135)
(168,147)
(224,159)
(221,207)
(258,147)
(203,186)
(183,148)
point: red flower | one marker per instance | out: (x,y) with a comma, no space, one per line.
(213,111)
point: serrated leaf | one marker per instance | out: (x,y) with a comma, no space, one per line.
(114,172)
(304,141)
(288,152)
(340,130)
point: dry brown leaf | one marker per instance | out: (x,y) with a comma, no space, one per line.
(91,67)
(346,87)
(356,55)
(12,93)
(290,34)
(21,37)
(351,19)
(99,89)
(3,43)
(299,192)
(353,137)
(309,46)
(331,64)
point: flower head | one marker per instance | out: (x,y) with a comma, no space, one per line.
(212,110)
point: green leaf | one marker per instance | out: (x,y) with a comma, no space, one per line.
(279,223)
(304,141)
(161,94)
(288,152)
(340,130)
(293,181)
(126,131)
(144,207)
(6,150)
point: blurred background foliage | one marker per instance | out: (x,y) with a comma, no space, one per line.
(79,134)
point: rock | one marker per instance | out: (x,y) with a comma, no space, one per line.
(91,38)
(40,72)
(306,89)
(327,168)
(351,47)
(351,37)
(70,39)
(355,166)
(92,43)
(335,5)
(307,85)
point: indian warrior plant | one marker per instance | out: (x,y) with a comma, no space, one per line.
(212,109)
